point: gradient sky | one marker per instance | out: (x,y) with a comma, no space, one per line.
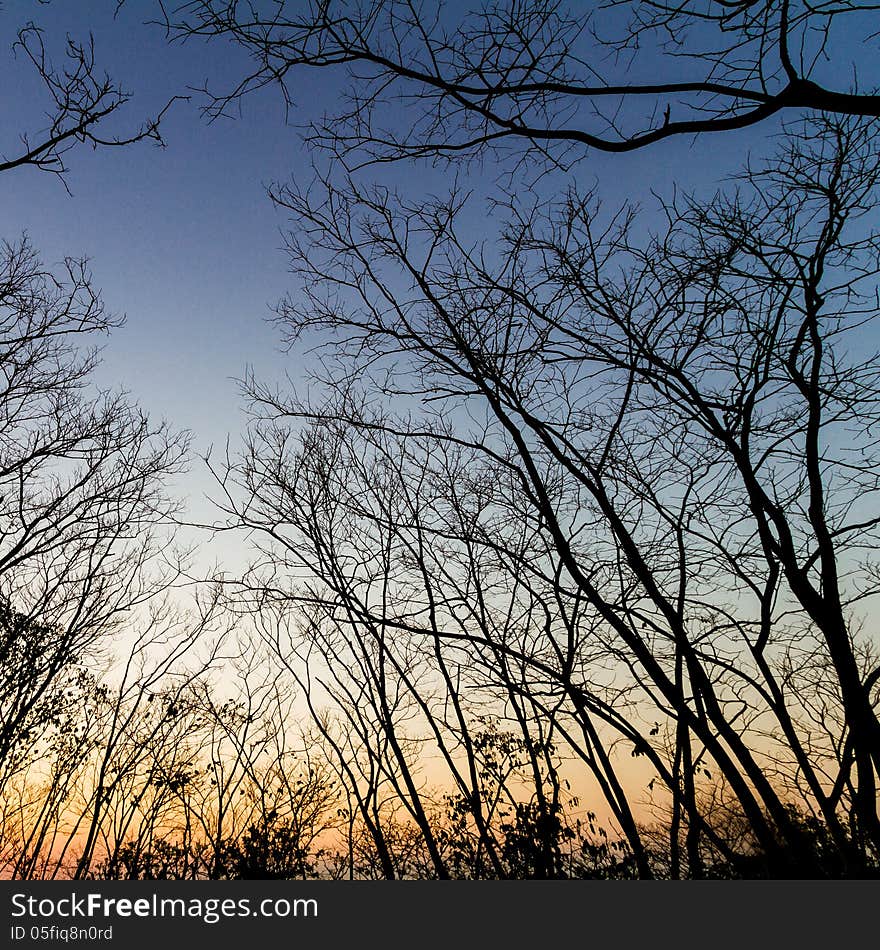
(183,240)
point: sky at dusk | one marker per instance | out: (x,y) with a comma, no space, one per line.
(605,525)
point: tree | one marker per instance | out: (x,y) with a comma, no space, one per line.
(549,76)
(81,473)
(665,471)
(82,477)
(354,523)
(82,105)
(195,775)
(635,445)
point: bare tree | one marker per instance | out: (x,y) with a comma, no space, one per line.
(82,496)
(196,775)
(356,592)
(554,77)
(682,430)
(105,766)
(82,104)
(84,546)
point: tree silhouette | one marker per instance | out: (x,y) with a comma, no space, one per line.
(651,478)
(82,104)
(554,77)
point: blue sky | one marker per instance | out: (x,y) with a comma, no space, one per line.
(183,240)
